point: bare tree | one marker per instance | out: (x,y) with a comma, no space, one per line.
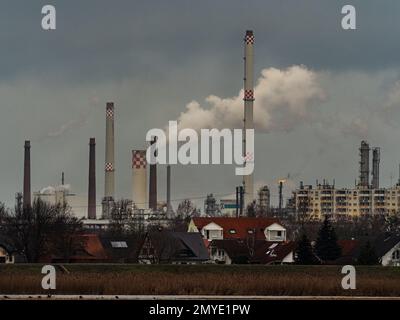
(41,229)
(186,210)
(121,217)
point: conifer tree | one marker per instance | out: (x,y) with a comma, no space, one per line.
(326,247)
(304,254)
(367,255)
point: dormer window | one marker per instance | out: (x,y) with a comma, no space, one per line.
(250,231)
(232,231)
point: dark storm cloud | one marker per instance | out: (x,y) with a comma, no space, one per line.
(101,39)
(154,57)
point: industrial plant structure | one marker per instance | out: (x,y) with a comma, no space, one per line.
(365,198)
(145,204)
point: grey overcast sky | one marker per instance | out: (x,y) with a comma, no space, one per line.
(320,89)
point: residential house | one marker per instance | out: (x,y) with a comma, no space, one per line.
(237,251)
(230,251)
(223,228)
(101,248)
(386,247)
(89,250)
(7,252)
(164,246)
(122,249)
(274,253)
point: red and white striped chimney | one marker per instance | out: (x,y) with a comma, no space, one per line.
(109,167)
(109,164)
(248,182)
(139,179)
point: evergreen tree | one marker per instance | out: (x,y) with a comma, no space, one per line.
(304,254)
(326,247)
(367,255)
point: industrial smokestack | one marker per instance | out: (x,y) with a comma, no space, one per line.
(248,98)
(280,196)
(139,178)
(364,164)
(92,180)
(169,206)
(376,155)
(27,174)
(109,180)
(153,183)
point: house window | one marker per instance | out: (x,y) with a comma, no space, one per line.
(396,254)
(232,231)
(119,244)
(279,233)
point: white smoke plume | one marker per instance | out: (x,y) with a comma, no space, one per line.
(282,101)
(52,190)
(74,124)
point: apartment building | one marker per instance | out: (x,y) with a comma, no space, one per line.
(326,199)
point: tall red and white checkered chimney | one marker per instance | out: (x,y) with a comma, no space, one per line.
(248,98)
(109,168)
(139,179)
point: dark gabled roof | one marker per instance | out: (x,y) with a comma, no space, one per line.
(235,248)
(385,242)
(194,242)
(271,252)
(241,226)
(6,244)
(184,246)
(351,248)
(121,248)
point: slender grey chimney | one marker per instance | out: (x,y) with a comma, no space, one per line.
(280,196)
(109,168)
(376,155)
(169,206)
(27,174)
(248,98)
(92,180)
(153,183)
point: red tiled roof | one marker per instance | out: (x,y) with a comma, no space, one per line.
(240,225)
(92,247)
(348,246)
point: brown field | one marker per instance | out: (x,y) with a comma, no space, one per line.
(201,280)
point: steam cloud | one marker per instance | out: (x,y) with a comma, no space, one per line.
(282,101)
(52,190)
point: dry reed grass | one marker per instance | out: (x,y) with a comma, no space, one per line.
(278,281)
